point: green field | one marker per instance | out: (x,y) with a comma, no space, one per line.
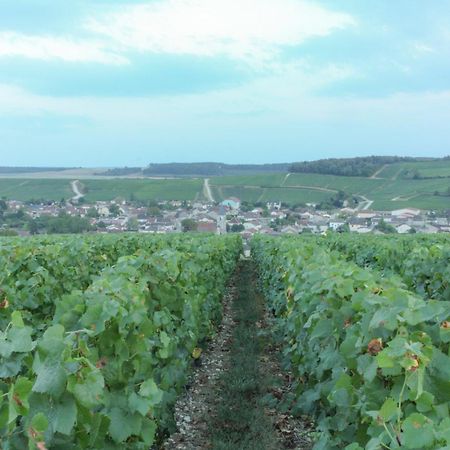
(101,190)
(425,169)
(27,189)
(140,189)
(266,180)
(388,191)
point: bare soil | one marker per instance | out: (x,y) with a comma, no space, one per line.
(201,412)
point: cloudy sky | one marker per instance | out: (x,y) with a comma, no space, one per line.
(107,83)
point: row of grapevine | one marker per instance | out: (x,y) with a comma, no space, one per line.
(371,359)
(423,262)
(34,273)
(105,370)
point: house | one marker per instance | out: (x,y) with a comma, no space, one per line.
(278,215)
(207,227)
(251,225)
(430,229)
(232,202)
(336,225)
(289,229)
(366,215)
(441,221)
(103,211)
(403,228)
(15,205)
(347,210)
(406,213)
(359,229)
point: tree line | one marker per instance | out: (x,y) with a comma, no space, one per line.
(364,166)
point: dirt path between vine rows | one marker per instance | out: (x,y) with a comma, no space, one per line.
(236,399)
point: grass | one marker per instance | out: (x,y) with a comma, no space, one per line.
(408,192)
(273,180)
(249,194)
(240,422)
(425,168)
(293,196)
(101,190)
(141,189)
(27,189)
(253,188)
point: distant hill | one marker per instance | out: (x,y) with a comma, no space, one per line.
(204,169)
(352,167)
(366,166)
(120,172)
(18,170)
(384,183)
(212,169)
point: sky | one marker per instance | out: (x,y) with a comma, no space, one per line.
(103,83)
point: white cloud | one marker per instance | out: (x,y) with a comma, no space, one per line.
(252,30)
(420,47)
(247,30)
(56,48)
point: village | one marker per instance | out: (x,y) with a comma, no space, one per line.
(232,215)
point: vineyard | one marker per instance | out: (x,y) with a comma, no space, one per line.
(366,331)
(99,335)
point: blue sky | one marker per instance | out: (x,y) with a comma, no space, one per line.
(112,83)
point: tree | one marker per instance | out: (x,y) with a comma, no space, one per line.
(133,224)
(3,207)
(154,211)
(20,214)
(189,225)
(385,227)
(64,223)
(114,210)
(8,232)
(247,206)
(92,213)
(344,228)
(33,227)
(237,228)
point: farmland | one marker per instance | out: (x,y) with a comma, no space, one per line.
(97,335)
(24,189)
(177,189)
(369,340)
(387,194)
(420,184)
(428,169)
(104,331)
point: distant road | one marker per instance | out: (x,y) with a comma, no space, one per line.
(366,204)
(207,191)
(76,190)
(375,175)
(285,179)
